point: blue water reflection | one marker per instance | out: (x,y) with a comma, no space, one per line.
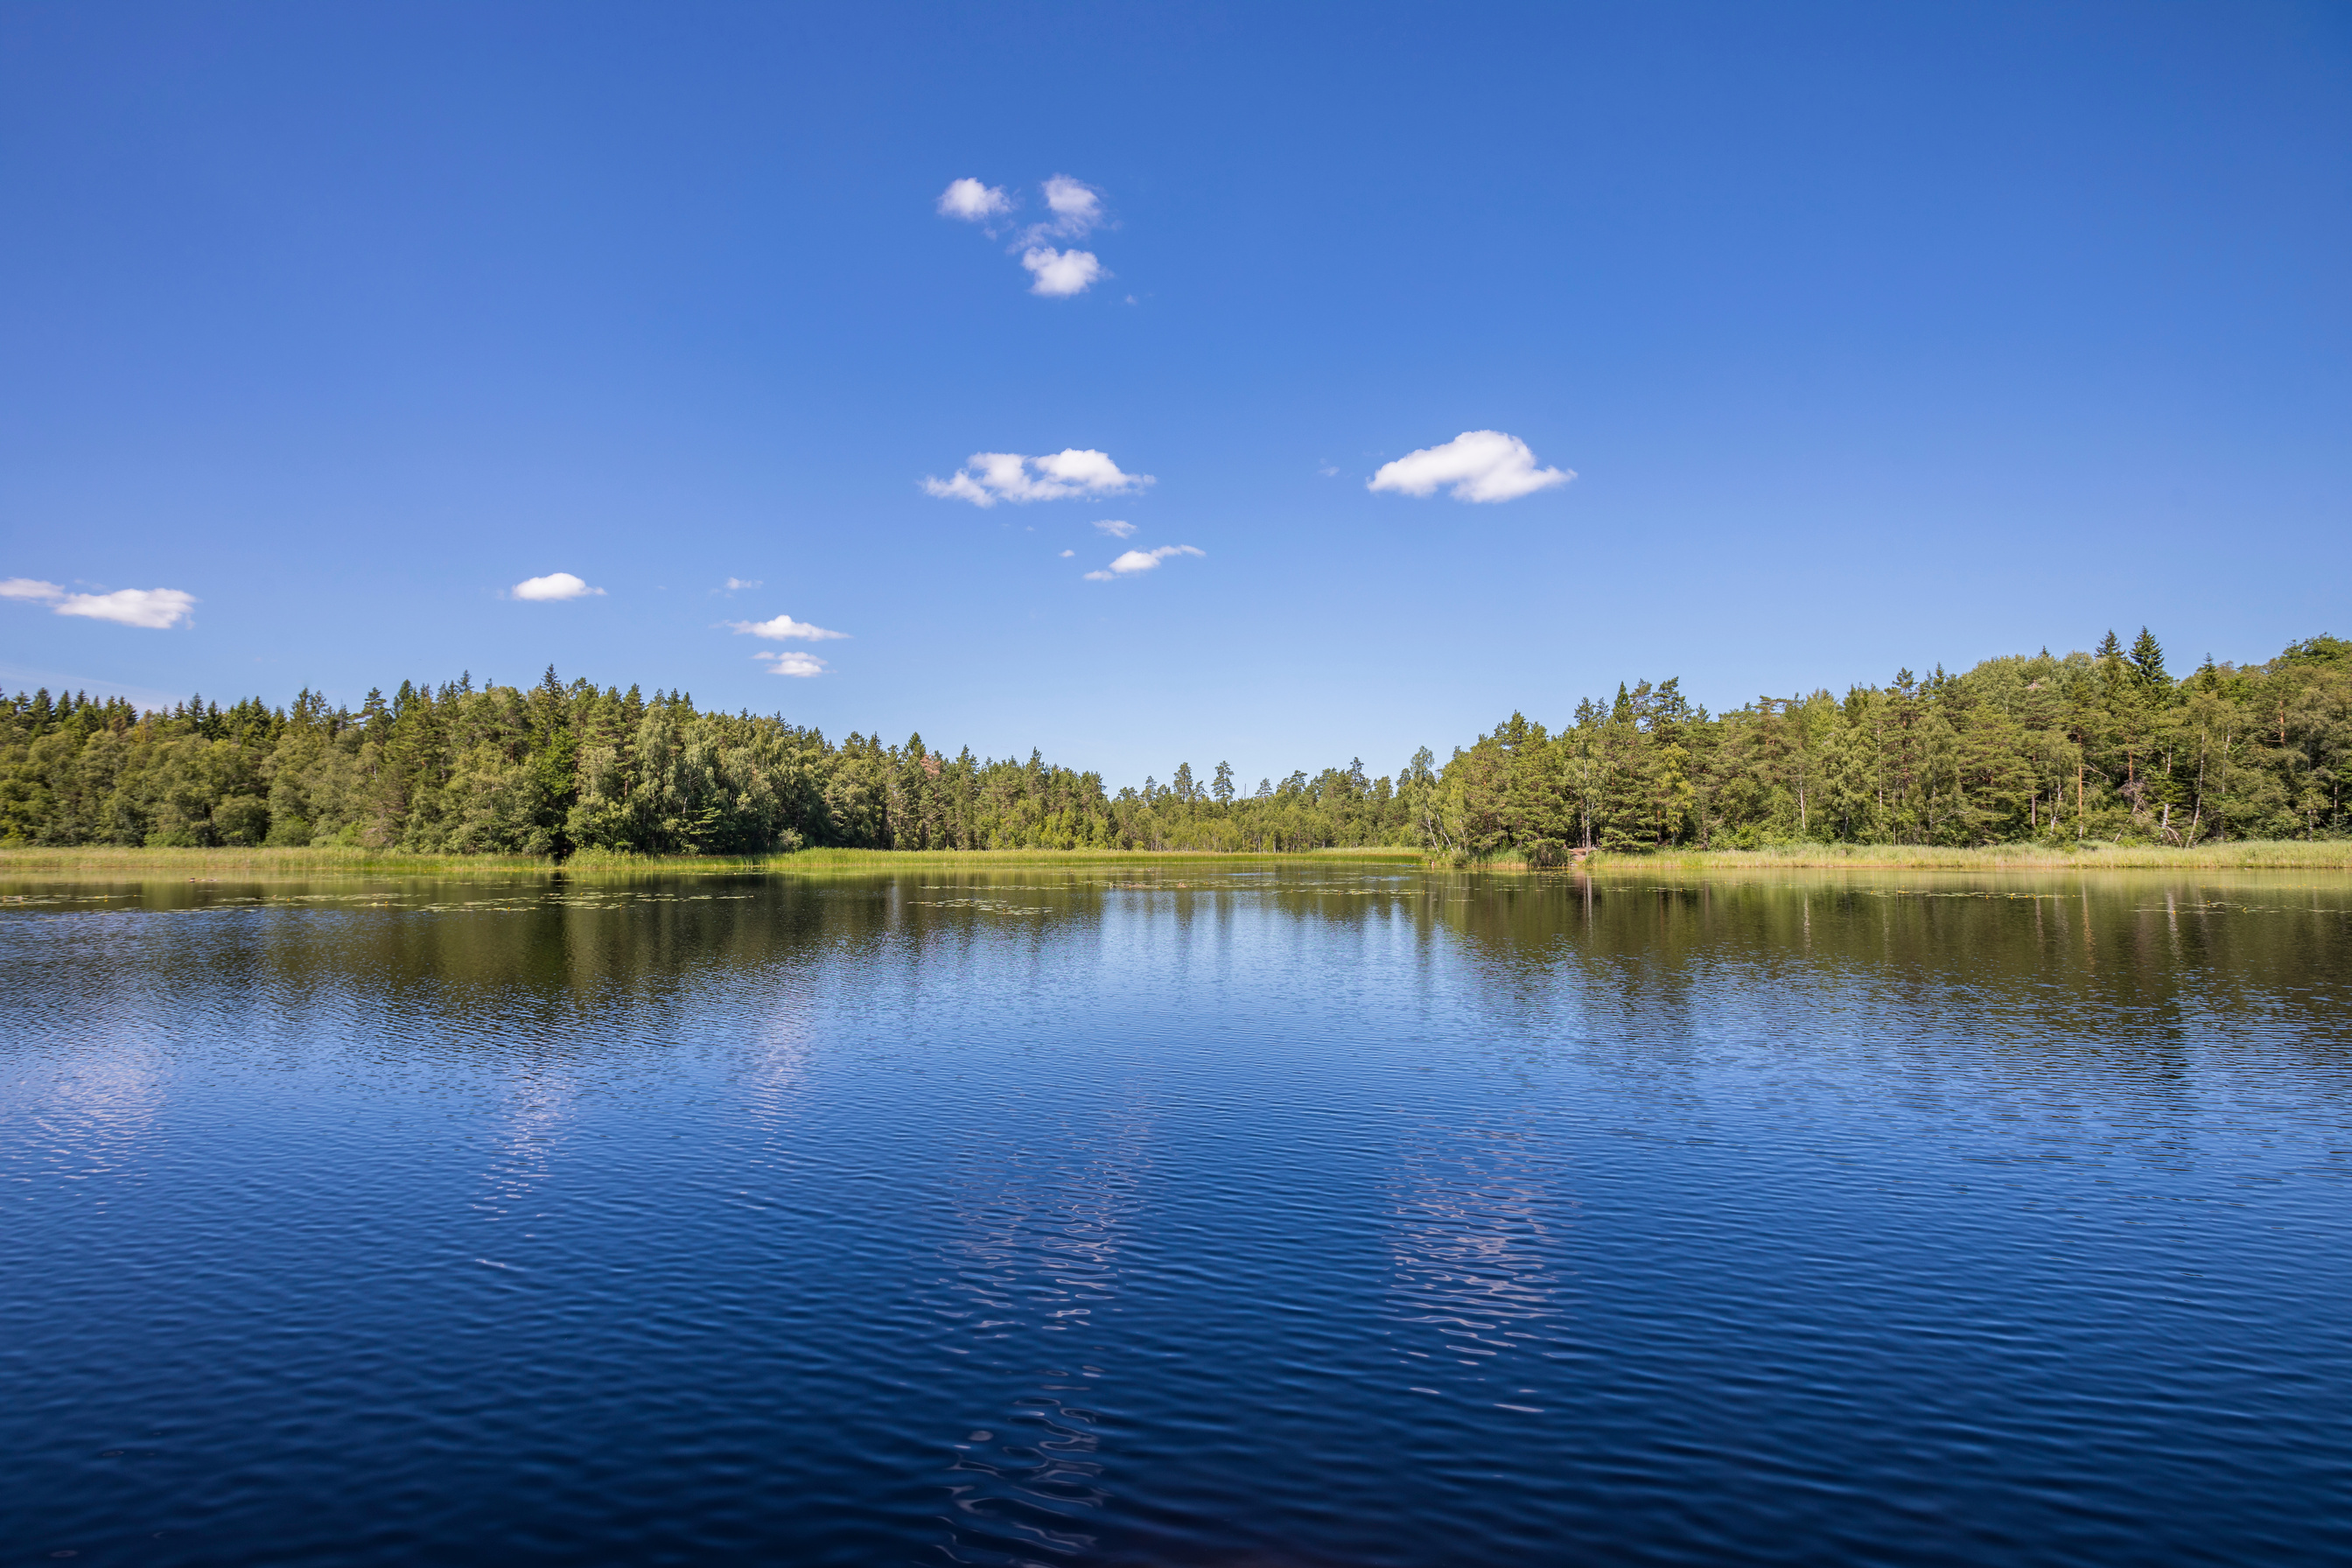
(1318,1216)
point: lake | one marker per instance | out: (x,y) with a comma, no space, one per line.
(1234,1214)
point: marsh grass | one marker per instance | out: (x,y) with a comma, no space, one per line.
(99,863)
(306,865)
(204,865)
(2253,855)
(887,860)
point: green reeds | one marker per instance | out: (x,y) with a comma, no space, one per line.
(104,863)
(270,865)
(95,860)
(2250,855)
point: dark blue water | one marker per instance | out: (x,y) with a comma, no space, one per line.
(1318,1216)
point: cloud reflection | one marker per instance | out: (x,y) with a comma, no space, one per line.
(1034,1261)
(1476,1234)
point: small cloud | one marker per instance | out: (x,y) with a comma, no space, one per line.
(554,585)
(1118,530)
(154,608)
(1136,561)
(1067,554)
(784,628)
(988,478)
(735,583)
(973,202)
(1076,206)
(1329,471)
(1061,273)
(800,664)
(1075,209)
(1090,470)
(157,609)
(1480,465)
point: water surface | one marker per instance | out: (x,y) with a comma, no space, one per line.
(1221,1214)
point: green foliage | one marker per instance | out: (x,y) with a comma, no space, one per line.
(2097,747)
(571,770)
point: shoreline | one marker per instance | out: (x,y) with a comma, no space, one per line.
(266,864)
(2250,854)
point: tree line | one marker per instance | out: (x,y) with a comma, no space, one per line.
(2104,745)
(2101,745)
(556,768)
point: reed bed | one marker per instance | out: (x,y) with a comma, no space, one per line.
(2252,855)
(106,863)
(202,864)
(888,859)
(285,864)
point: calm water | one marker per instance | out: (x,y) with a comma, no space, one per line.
(1241,1217)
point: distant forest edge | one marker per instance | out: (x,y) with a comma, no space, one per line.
(2104,745)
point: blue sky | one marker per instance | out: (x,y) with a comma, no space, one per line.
(1872,336)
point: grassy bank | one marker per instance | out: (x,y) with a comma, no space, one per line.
(2253,855)
(209,864)
(274,865)
(103,864)
(891,860)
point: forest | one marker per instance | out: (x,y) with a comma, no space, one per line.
(2105,746)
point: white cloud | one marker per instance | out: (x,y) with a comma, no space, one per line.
(157,609)
(1118,530)
(972,202)
(1090,470)
(988,478)
(1136,561)
(1076,206)
(784,628)
(735,583)
(1076,210)
(1480,465)
(1061,273)
(554,585)
(801,664)
(1067,554)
